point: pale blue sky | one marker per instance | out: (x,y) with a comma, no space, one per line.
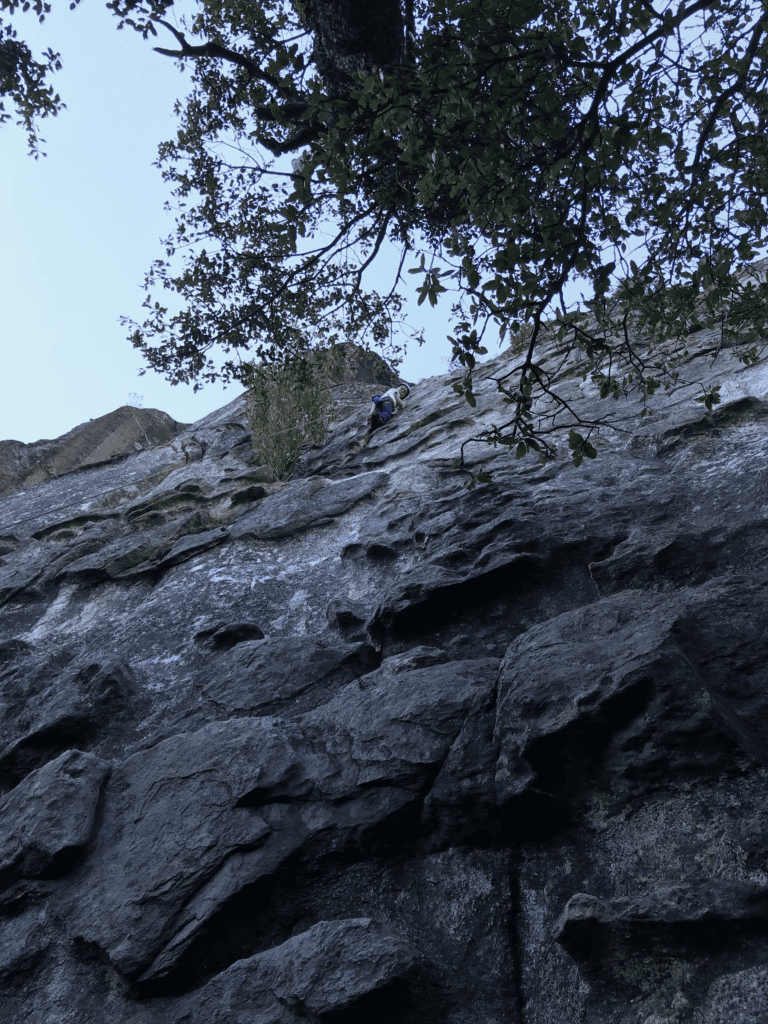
(80,227)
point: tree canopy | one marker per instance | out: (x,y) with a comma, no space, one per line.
(508,151)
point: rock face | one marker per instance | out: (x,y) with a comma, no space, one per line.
(105,439)
(366,746)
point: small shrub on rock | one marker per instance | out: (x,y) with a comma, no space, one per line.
(288,407)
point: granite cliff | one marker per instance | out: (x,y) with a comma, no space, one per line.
(366,746)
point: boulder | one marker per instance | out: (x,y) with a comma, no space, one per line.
(47,819)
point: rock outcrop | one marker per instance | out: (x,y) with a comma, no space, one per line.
(105,439)
(369,746)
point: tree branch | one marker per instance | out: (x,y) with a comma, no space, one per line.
(613,66)
(757,32)
(216,50)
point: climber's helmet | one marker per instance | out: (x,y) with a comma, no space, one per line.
(404,391)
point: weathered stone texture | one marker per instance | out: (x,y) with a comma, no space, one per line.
(367,746)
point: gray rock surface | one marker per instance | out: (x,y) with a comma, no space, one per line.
(327,968)
(49,816)
(107,438)
(367,746)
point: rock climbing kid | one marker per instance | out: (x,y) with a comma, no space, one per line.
(384,406)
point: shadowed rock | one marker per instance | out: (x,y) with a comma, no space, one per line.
(326,969)
(364,745)
(48,818)
(676,903)
(47,708)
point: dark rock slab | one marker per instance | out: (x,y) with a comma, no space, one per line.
(320,972)
(569,681)
(152,551)
(689,903)
(234,801)
(191,545)
(305,504)
(397,725)
(723,632)
(48,818)
(681,555)
(479,568)
(248,495)
(48,708)
(24,939)
(8,542)
(11,650)
(118,558)
(348,617)
(305,829)
(185,489)
(226,635)
(262,674)
(672,902)
(229,437)
(462,805)
(21,570)
(171,817)
(250,477)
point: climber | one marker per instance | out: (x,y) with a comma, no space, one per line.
(384,406)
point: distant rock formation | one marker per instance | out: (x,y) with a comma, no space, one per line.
(105,439)
(366,746)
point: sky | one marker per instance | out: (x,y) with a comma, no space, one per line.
(80,226)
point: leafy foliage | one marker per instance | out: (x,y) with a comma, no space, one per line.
(288,407)
(23,79)
(507,150)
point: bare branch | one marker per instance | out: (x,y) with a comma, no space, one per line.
(215,50)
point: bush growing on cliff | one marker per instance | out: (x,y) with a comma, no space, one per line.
(506,150)
(288,408)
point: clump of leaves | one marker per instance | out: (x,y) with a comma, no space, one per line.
(288,407)
(710,398)
(23,80)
